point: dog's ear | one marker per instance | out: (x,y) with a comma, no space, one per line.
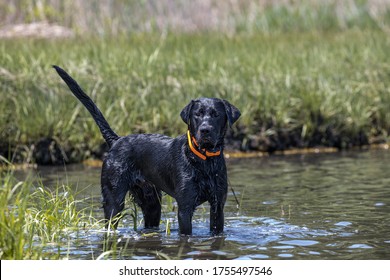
(185,113)
(232,112)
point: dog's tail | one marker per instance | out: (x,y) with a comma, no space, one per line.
(108,134)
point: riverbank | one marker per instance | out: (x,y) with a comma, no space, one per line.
(295,90)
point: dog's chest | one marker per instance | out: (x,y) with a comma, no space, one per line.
(210,183)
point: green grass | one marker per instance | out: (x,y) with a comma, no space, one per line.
(330,87)
(33,216)
(304,74)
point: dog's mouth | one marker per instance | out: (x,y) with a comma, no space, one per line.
(203,147)
(207,143)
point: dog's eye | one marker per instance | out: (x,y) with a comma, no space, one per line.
(199,113)
(214,114)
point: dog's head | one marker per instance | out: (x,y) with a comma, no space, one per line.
(207,120)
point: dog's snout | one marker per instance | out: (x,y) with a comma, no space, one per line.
(205,130)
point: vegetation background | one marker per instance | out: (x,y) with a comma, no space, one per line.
(304,73)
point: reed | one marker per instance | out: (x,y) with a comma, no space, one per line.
(108,17)
(33,216)
(326,89)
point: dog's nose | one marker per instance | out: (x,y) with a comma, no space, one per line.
(205,130)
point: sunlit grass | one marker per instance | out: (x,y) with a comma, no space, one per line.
(32,216)
(310,85)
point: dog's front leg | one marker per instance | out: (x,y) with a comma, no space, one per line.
(216,218)
(186,197)
(185,219)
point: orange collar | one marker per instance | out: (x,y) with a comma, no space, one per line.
(203,153)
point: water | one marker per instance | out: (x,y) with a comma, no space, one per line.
(323,206)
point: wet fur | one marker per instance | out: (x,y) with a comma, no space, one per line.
(148,164)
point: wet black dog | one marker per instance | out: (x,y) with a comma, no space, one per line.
(191,168)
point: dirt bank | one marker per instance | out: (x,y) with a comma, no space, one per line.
(50,151)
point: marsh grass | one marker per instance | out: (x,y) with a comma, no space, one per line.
(33,216)
(328,89)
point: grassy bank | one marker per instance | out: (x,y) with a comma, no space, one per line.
(294,89)
(304,73)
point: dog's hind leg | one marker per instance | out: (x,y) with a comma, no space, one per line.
(113,204)
(149,200)
(115,185)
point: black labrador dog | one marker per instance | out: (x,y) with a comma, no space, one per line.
(190,168)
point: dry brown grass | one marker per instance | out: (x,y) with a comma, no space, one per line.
(116,16)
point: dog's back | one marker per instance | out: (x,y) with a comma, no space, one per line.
(150,157)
